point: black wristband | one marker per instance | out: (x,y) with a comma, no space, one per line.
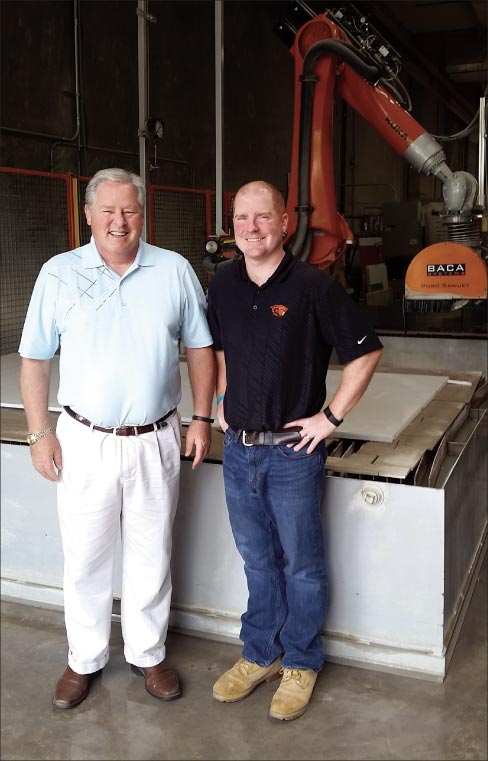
(330,416)
(203,419)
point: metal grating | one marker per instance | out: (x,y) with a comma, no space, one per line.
(34,227)
(178,223)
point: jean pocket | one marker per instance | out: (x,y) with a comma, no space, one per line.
(230,437)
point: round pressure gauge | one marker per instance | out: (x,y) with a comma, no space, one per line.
(211,247)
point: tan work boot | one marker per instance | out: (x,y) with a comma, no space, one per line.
(292,697)
(239,681)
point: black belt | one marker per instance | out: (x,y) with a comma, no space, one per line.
(271,438)
(123,430)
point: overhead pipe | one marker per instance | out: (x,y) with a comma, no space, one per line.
(124,153)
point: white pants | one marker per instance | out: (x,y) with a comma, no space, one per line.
(111,484)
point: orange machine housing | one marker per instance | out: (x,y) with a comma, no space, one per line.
(446,271)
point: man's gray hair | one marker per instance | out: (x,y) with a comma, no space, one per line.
(115,175)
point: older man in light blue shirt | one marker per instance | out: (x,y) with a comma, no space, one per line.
(117,309)
(137,319)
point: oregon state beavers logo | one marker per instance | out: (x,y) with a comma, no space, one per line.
(279,310)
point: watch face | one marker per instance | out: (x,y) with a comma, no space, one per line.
(33,437)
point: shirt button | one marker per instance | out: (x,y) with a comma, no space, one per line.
(255,306)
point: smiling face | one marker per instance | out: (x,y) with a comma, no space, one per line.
(259,222)
(116,220)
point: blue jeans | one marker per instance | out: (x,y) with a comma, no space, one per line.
(273,497)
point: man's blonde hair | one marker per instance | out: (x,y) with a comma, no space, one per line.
(277,196)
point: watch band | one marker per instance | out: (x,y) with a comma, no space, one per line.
(33,437)
(202,418)
(330,416)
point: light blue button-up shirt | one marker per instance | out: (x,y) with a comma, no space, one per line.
(118,336)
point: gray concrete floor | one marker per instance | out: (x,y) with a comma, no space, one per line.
(354,714)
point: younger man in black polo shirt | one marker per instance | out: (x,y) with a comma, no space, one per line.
(274,321)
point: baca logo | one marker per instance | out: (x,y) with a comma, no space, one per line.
(279,310)
(434,270)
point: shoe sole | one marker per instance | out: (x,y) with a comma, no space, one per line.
(269,678)
(290,716)
(173,696)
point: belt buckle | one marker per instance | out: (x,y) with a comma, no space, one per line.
(244,434)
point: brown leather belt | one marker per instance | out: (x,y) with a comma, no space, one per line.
(271,438)
(123,430)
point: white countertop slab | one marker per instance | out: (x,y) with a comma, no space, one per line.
(390,403)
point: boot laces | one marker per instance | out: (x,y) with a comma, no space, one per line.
(242,663)
(288,674)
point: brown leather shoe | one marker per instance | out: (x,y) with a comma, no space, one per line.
(160,682)
(72,688)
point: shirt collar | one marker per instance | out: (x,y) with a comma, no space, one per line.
(91,257)
(280,273)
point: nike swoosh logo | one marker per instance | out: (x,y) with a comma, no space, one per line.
(362,339)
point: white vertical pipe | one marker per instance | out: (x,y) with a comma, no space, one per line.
(142,83)
(219,114)
(482,154)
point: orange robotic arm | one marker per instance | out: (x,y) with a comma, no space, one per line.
(326,65)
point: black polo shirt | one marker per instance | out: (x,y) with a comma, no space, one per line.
(278,338)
